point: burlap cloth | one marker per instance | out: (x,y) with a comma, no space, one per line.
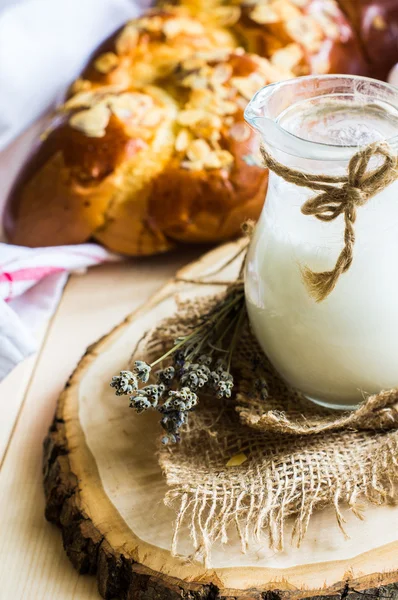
(300,457)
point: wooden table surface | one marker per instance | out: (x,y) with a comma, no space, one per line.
(33,565)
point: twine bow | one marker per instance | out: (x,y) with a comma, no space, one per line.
(339,196)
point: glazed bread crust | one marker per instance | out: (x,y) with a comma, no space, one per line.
(140,169)
(80,178)
(149,48)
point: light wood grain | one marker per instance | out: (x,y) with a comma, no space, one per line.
(33,564)
(13,390)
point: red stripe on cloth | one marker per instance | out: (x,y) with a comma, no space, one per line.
(7,277)
(30,274)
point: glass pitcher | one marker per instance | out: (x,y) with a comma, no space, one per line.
(338,350)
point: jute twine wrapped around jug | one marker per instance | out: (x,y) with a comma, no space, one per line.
(291,457)
(339,195)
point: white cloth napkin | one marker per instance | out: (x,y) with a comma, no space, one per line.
(44,44)
(31,283)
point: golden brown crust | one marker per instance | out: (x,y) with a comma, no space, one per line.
(150,47)
(306,36)
(207,206)
(207,189)
(55,201)
(71,187)
(138,170)
(211,185)
(334,36)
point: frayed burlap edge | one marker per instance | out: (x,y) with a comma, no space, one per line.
(275,492)
(297,457)
(376,412)
(266,403)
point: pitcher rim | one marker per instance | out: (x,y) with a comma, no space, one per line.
(293,145)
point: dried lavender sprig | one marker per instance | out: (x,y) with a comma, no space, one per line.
(125,383)
(198,365)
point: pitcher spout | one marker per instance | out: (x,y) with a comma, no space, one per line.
(263,112)
(257,111)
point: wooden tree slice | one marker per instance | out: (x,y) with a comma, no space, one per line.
(105,490)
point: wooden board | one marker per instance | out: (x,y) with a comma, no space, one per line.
(104,489)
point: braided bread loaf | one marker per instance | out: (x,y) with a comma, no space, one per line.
(140,168)
(151,147)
